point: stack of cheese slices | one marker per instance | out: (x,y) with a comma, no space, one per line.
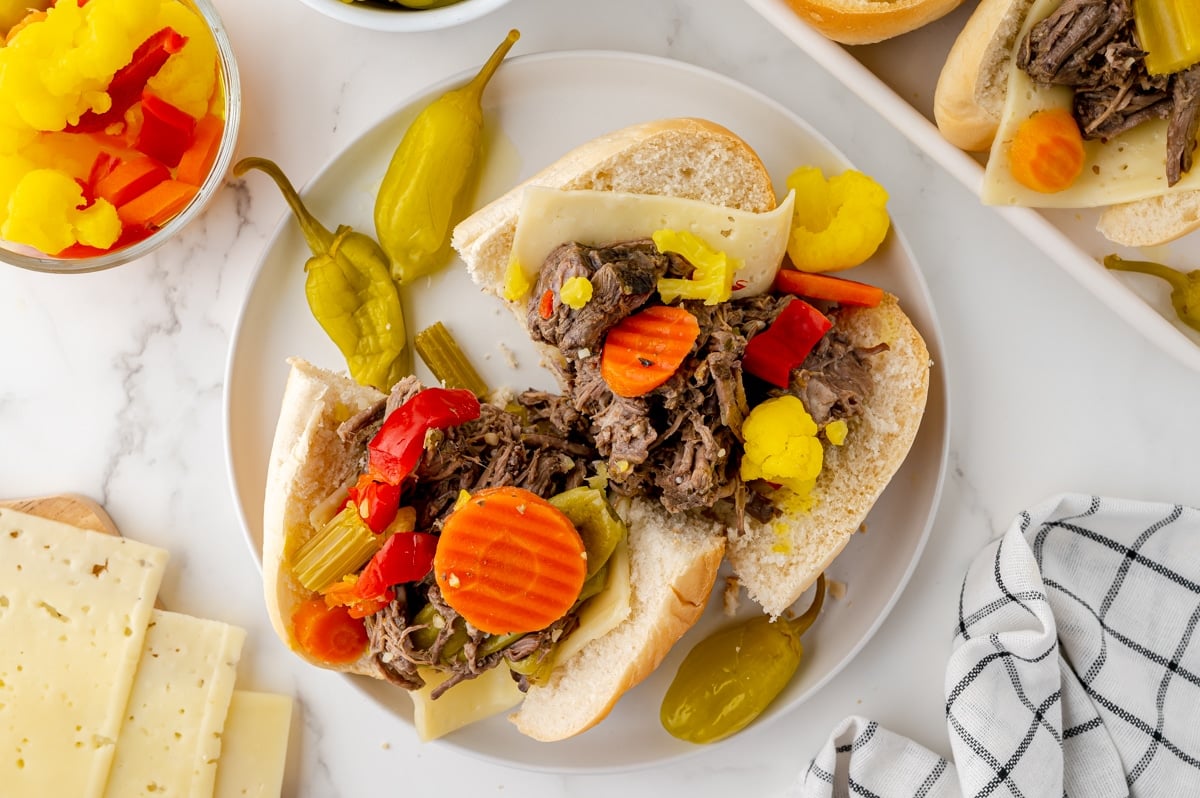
(104,696)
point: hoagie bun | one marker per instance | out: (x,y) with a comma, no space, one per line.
(869,21)
(777,560)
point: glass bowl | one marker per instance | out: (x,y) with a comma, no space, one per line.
(387,16)
(28,258)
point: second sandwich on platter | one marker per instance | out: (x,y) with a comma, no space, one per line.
(1082,104)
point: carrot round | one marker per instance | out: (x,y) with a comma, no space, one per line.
(643,350)
(328,634)
(1046,153)
(508,561)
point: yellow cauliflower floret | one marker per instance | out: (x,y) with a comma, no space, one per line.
(837,223)
(712,278)
(44,212)
(576,292)
(188,77)
(781,445)
(58,68)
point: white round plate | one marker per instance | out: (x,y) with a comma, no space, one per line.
(537,108)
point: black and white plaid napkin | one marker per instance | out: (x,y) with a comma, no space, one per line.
(1075,670)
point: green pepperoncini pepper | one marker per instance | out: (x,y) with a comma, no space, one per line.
(730,677)
(1185,287)
(349,290)
(425,186)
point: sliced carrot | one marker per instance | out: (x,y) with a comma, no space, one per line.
(1046,153)
(131,179)
(198,159)
(643,350)
(508,561)
(824,286)
(158,205)
(328,634)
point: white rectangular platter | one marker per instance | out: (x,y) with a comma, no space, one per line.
(897,78)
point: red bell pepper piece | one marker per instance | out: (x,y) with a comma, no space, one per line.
(166,132)
(773,353)
(396,449)
(824,286)
(377,501)
(127,84)
(405,557)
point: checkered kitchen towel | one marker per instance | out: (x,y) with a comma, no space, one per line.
(1075,670)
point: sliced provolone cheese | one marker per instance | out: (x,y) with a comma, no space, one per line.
(254,746)
(171,733)
(489,693)
(549,217)
(1127,167)
(605,611)
(74,607)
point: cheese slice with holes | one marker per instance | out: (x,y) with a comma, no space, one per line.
(1127,167)
(549,217)
(74,607)
(254,746)
(170,737)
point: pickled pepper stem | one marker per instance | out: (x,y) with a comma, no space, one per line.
(317,235)
(1185,288)
(801,623)
(475,88)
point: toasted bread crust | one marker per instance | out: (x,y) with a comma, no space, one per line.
(868,21)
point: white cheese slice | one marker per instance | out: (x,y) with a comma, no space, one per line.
(171,734)
(74,606)
(489,693)
(606,610)
(1127,167)
(254,746)
(549,217)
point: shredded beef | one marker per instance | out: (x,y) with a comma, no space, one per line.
(834,378)
(623,277)
(545,454)
(1092,47)
(679,443)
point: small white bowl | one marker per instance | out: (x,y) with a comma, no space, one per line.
(383,15)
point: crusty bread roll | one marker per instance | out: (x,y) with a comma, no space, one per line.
(868,21)
(777,562)
(878,441)
(1153,221)
(673,566)
(969,97)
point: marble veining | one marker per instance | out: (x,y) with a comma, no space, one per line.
(112,383)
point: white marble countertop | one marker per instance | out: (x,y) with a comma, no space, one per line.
(112,382)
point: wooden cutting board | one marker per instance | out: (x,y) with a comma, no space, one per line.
(69,508)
